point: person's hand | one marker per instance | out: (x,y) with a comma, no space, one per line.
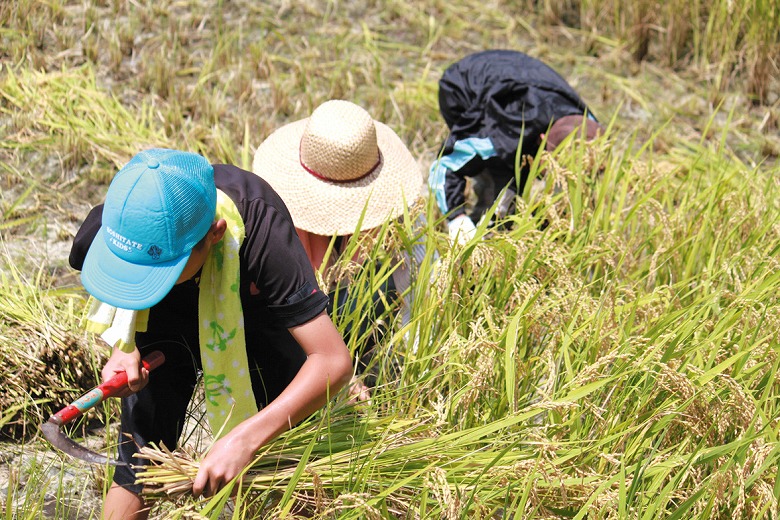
(461,229)
(137,376)
(358,392)
(224,461)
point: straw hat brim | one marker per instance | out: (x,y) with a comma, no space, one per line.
(339,208)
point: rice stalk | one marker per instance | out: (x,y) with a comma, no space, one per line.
(47,364)
(67,113)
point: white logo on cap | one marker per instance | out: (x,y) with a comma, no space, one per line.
(122,242)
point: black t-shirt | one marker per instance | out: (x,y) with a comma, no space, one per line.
(271,257)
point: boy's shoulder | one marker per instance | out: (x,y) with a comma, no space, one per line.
(249,192)
(244,186)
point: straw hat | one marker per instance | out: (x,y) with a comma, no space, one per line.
(337,167)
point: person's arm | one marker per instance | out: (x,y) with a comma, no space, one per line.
(454,193)
(459,225)
(447,177)
(328,367)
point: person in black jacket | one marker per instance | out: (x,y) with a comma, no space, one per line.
(498,104)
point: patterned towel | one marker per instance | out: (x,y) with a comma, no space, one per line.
(116,326)
(228,387)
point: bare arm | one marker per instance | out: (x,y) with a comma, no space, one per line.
(327,369)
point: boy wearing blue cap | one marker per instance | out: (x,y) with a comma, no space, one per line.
(206,259)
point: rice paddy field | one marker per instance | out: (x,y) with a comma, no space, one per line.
(612,351)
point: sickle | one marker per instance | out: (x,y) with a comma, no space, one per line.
(52,428)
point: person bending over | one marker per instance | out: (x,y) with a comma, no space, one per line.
(498,104)
(341,172)
(202,262)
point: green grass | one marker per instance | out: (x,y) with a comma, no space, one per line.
(604,366)
(613,354)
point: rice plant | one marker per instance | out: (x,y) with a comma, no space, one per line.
(610,351)
(614,363)
(46,361)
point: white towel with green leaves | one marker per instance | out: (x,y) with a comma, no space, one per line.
(228,387)
(115,326)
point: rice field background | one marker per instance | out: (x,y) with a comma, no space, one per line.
(611,353)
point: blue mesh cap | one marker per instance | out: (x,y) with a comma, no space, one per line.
(158,207)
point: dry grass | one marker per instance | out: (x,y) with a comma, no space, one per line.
(611,354)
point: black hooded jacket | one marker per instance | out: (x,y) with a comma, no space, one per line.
(508,97)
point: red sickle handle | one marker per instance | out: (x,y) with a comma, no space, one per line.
(103,391)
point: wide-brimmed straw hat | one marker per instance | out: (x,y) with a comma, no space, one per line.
(339,168)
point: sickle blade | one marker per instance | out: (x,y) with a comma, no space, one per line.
(51,430)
